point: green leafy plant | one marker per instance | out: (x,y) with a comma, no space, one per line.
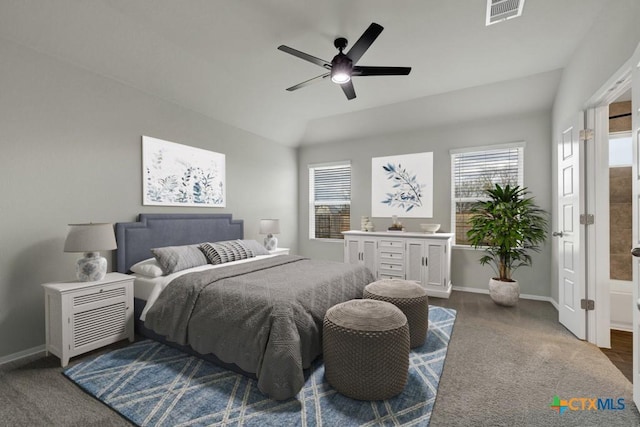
(508,226)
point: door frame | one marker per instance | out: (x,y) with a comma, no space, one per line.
(597,157)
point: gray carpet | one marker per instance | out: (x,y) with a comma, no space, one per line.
(503,367)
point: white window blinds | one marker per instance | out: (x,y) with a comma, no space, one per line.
(475,170)
(330,200)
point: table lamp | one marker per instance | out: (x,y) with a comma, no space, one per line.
(270,227)
(90,239)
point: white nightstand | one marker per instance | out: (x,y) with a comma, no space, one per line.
(280,251)
(83,316)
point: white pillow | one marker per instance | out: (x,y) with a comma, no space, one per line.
(148,267)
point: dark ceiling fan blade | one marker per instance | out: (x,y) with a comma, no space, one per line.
(305,56)
(380,71)
(348,89)
(365,40)
(308,82)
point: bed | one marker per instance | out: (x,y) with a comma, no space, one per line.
(260,316)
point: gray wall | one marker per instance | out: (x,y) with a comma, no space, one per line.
(71,152)
(605,49)
(534,128)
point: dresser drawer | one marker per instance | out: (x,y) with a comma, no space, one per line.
(390,276)
(387,256)
(397,245)
(391,265)
(390,268)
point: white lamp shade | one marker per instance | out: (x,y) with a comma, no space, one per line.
(90,238)
(269,226)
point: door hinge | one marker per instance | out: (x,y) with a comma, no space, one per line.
(587,304)
(586,135)
(587,219)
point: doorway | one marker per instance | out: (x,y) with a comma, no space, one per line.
(620,212)
(619,261)
(609,113)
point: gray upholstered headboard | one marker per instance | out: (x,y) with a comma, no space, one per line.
(135,239)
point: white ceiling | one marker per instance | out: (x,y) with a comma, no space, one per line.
(219,57)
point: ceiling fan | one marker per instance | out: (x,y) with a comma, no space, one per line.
(343,66)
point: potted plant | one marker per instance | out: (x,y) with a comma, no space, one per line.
(508,226)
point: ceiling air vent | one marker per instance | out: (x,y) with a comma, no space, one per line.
(501,10)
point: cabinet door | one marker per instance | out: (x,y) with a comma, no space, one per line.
(99,315)
(352,251)
(369,251)
(414,260)
(435,253)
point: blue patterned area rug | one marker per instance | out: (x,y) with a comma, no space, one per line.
(152,384)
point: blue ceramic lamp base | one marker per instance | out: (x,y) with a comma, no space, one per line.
(271,242)
(92,267)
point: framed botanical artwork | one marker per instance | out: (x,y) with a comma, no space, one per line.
(402,185)
(179,175)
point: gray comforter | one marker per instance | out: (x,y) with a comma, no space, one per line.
(265,316)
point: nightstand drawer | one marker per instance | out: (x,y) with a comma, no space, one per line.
(81,299)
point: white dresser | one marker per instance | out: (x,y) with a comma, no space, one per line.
(425,258)
(84,316)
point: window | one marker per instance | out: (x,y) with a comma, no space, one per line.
(620,149)
(475,169)
(329,200)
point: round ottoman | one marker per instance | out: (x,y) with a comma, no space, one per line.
(365,347)
(409,297)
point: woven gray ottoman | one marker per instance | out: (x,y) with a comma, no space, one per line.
(409,297)
(366,349)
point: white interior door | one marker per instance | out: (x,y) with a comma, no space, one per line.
(571,285)
(635,127)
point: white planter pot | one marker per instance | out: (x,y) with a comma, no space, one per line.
(504,293)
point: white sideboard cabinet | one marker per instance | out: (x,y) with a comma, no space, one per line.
(425,258)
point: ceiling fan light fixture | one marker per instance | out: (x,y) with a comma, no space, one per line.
(341,68)
(340,77)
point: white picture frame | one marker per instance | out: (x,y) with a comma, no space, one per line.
(402,185)
(179,175)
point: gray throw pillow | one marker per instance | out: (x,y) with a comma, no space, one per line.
(255,247)
(177,258)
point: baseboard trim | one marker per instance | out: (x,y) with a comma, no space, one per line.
(522,296)
(34,351)
(621,327)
